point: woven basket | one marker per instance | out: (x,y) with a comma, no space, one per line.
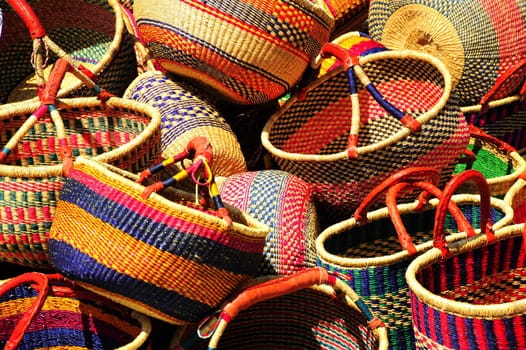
(164,256)
(348,15)
(471,294)
(285,203)
(516,198)
(311,310)
(445,29)
(35,135)
(39,311)
(185,114)
(89,33)
(371,250)
(345,147)
(242,52)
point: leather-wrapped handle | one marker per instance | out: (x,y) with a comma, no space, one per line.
(28,16)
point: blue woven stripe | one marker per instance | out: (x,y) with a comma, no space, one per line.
(78,266)
(60,337)
(157,234)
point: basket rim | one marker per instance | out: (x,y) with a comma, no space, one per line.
(28,107)
(360,150)
(464,309)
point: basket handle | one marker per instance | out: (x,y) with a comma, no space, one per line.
(40,283)
(451,186)
(351,65)
(28,16)
(213,327)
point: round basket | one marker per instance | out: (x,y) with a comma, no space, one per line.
(243,52)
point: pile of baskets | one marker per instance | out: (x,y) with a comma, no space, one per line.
(298,174)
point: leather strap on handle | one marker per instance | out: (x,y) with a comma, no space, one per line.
(40,283)
(28,16)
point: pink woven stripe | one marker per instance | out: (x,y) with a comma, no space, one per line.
(20,216)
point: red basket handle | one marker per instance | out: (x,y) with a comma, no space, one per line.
(451,186)
(38,281)
(403,175)
(28,16)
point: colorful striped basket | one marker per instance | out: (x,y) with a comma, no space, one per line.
(36,136)
(162,254)
(470,294)
(89,33)
(400,114)
(371,250)
(185,113)
(242,52)
(39,311)
(311,310)
(480,41)
(348,15)
(516,198)
(285,204)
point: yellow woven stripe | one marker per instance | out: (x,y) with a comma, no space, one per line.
(118,251)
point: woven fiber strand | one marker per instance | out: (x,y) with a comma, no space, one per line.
(185,114)
(347,14)
(516,198)
(121,132)
(72,318)
(244,52)
(285,203)
(478,40)
(474,297)
(167,259)
(92,32)
(309,135)
(510,129)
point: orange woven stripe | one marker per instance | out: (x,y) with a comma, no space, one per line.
(122,253)
(289,14)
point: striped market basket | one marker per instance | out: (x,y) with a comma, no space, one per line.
(310,310)
(39,311)
(471,294)
(345,147)
(285,204)
(164,254)
(348,15)
(372,250)
(89,33)
(186,112)
(242,52)
(445,29)
(36,136)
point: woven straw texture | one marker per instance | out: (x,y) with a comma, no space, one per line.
(516,198)
(167,258)
(309,135)
(510,129)
(244,52)
(71,318)
(185,114)
(474,297)
(91,32)
(285,203)
(346,13)
(122,132)
(478,40)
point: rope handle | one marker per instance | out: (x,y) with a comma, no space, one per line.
(451,186)
(406,174)
(394,213)
(40,283)
(352,67)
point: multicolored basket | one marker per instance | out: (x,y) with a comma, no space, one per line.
(471,294)
(372,249)
(348,15)
(285,203)
(310,310)
(400,114)
(163,255)
(242,52)
(37,135)
(39,311)
(445,29)
(89,33)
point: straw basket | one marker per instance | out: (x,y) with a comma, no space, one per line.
(39,311)
(480,41)
(242,52)
(372,249)
(163,255)
(400,114)
(348,15)
(471,294)
(285,203)
(89,33)
(516,198)
(35,138)
(311,310)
